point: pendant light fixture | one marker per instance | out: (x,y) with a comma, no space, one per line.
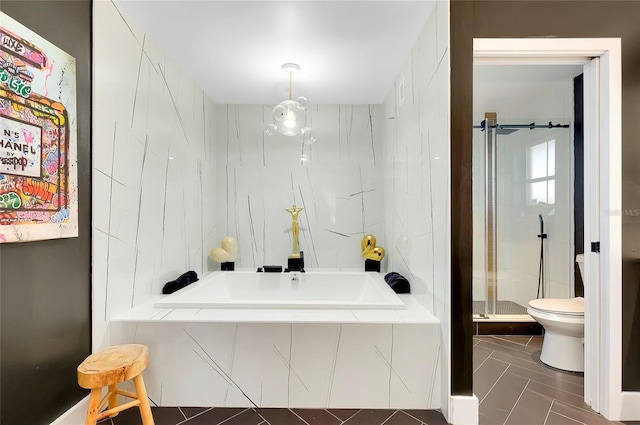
(290,116)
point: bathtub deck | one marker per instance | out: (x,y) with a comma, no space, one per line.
(288,358)
(415,313)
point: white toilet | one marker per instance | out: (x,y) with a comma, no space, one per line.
(563,322)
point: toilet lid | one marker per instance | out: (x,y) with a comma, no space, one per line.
(569,306)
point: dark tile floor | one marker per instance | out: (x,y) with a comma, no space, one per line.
(229,416)
(514,387)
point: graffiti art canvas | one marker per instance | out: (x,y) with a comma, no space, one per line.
(38,175)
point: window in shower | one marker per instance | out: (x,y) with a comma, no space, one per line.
(541,171)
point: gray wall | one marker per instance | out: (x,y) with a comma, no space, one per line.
(559,19)
(45,287)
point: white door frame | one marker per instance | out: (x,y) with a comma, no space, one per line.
(603,307)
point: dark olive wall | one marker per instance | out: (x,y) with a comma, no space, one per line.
(45,287)
(552,19)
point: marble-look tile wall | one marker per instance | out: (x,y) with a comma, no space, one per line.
(338,181)
(301,365)
(417,169)
(153,169)
(518,223)
(174,174)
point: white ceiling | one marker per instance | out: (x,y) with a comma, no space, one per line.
(504,87)
(349,52)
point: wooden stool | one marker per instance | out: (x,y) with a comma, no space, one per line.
(107,368)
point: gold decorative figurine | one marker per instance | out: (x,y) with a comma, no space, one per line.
(295,229)
(371,253)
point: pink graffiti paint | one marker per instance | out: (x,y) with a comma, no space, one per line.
(46,77)
(4,239)
(27,135)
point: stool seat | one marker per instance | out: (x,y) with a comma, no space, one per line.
(113,365)
(109,367)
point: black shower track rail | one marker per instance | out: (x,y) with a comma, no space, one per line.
(529,126)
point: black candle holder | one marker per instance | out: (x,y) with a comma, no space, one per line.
(295,264)
(230,266)
(371,266)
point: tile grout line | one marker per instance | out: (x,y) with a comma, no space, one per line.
(349,418)
(390,416)
(194,416)
(592,412)
(516,403)
(185,416)
(506,352)
(483,362)
(559,389)
(411,416)
(562,377)
(510,342)
(494,384)
(539,381)
(327,410)
(571,419)
(504,361)
(255,409)
(299,417)
(550,407)
(231,417)
(507,347)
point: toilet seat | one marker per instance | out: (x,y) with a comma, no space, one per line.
(573,307)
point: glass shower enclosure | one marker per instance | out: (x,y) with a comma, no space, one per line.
(522,180)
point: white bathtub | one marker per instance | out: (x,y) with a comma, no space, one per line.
(321,290)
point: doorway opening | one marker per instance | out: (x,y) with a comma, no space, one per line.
(523,175)
(601,62)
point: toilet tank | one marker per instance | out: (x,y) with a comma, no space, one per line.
(580,261)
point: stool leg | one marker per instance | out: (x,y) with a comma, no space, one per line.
(145,409)
(113,399)
(94,403)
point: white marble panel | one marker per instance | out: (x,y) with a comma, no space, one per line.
(312,361)
(195,172)
(153,156)
(170,72)
(117,39)
(161,113)
(149,229)
(288,365)
(99,267)
(101,186)
(417,199)
(407,383)
(144,85)
(120,272)
(204,354)
(442,27)
(350,382)
(145,282)
(123,205)
(258,177)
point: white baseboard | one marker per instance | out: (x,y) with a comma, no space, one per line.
(629,407)
(74,416)
(463,410)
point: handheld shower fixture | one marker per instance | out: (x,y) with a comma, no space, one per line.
(542,237)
